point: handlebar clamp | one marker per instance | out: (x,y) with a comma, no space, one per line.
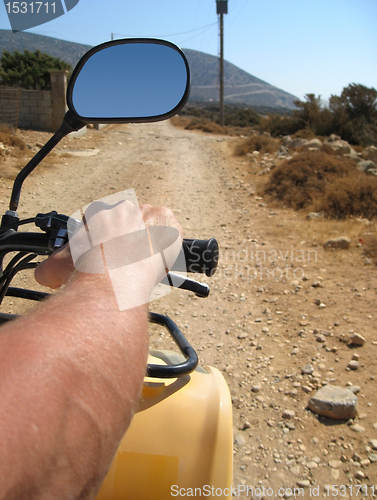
(55,226)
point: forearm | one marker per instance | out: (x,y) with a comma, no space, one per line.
(75,390)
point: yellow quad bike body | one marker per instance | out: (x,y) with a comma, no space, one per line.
(180,441)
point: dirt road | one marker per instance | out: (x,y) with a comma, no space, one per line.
(278,302)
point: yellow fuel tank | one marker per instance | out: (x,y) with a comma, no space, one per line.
(180,441)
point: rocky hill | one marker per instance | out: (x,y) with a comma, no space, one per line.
(240,86)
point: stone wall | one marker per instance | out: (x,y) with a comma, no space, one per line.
(36,109)
(9,106)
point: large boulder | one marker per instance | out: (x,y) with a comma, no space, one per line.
(367,166)
(313,144)
(370,153)
(338,146)
(283,152)
(334,402)
(352,155)
(297,143)
(333,138)
(286,140)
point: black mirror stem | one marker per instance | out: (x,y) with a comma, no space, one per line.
(70,124)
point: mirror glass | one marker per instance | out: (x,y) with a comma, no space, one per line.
(127,80)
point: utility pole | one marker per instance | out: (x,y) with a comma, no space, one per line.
(222,8)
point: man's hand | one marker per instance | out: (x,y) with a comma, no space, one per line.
(104,222)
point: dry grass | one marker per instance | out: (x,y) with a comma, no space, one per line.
(262,143)
(326,183)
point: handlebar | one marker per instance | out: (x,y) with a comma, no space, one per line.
(21,242)
(201,256)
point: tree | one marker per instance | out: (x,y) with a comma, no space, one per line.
(29,70)
(313,115)
(355,114)
(308,111)
(359,102)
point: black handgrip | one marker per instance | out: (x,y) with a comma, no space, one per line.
(201,256)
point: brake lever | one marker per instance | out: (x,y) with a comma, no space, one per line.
(177,281)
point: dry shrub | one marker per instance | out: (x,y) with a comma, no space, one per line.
(304,133)
(180,121)
(262,143)
(329,151)
(326,183)
(10,172)
(9,138)
(353,195)
(210,127)
(358,148)
(370,246)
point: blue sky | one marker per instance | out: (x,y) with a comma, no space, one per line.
(300,46)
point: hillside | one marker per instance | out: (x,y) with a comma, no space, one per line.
(240,86)
(67,51)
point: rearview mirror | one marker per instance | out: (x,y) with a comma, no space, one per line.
(132,80)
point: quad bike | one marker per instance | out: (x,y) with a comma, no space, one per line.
(180,440)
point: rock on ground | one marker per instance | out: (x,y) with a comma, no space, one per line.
(342,242)
(334,402)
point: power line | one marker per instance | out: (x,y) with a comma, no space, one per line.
(198,34)
(237,14)
(175,34)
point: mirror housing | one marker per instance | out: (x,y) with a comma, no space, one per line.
(129,81)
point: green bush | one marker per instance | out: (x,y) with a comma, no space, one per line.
(278,125)
(30,70)
(242,118)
